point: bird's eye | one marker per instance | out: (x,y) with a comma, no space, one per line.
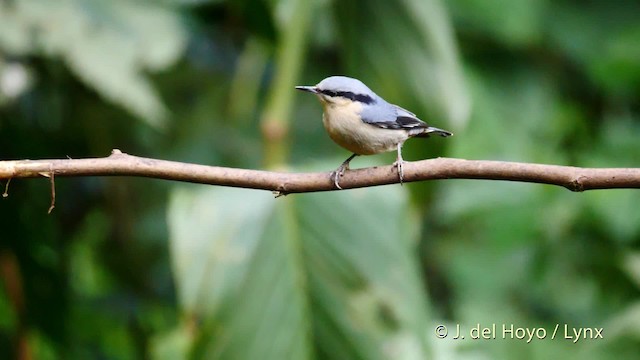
(363,98)
(330,93)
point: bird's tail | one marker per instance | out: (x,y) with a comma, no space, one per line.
(434,130)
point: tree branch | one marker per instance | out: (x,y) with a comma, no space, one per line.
(120,164)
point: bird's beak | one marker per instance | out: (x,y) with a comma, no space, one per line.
(311,89)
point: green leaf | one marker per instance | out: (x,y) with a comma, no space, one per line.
(279,278)
(108,44)
(213,235)
(603,39)
(408,48)
(171,346)
(514,22)
(617,147)
(625,324)
(631,265)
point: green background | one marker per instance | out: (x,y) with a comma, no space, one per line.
(128,268)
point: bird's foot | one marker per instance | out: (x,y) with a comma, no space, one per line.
(337,174)
(398,164)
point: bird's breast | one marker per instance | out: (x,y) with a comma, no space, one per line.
(346,128)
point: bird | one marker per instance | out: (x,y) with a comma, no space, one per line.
(362,122)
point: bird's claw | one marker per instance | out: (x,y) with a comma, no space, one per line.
(279,193)
(337,174)
(398,165)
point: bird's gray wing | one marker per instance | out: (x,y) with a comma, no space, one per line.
(389,116)
(403,111)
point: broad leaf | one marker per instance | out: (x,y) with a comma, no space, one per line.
(280,278)
(108,44)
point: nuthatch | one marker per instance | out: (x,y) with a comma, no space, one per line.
(364,123)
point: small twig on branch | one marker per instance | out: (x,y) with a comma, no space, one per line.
(52,177)
(120,164)
(6,189)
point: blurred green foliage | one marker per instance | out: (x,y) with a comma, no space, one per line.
(140,268)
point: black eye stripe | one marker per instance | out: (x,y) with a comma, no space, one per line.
(329,92)
(366,99)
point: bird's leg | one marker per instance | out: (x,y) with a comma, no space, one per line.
(336,175)
(398,163)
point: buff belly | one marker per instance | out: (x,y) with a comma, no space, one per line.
(357,136)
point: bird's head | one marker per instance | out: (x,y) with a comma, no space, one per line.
(341,90)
